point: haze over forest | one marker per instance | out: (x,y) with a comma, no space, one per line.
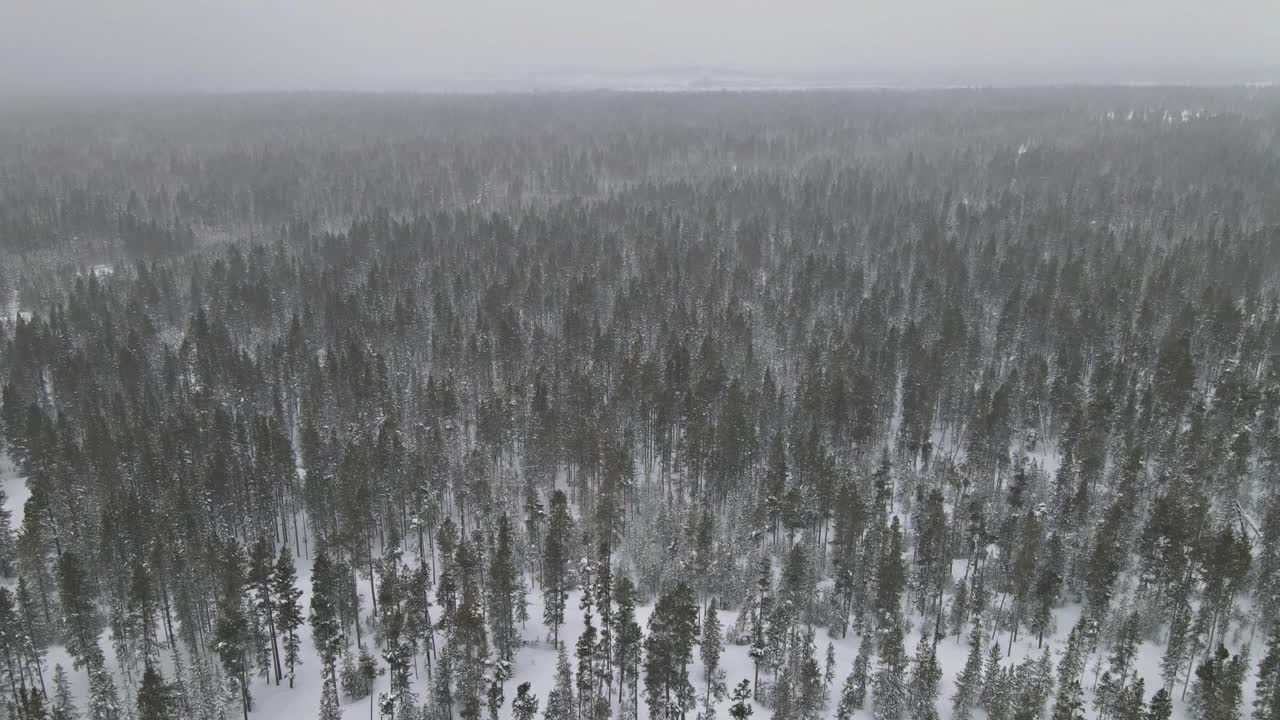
(62,46)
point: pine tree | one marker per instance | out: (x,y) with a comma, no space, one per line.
(828,671)
(1070,702)
(524,706)
(741,707)
(627,636)
(759,643)
(326,627)
(1125,647)
(10,648)
(1266,704)
(853,694)
(232,633)
(673,631)
(809,687)
(922,689)
(368,671)
(560,705)
(709,650)
(79,613)
(585,652)
(350,677)
(261,569)
(494,698)
(398,643)
(990,678)
(329,707)
(555,564)
(7,545)
(63,706)
(468,643)
(1130,703)
(33,706)
(891,579)
(503,579)
(1217,691)
(1034,685)
(286,594)
(858,675)
(969,681)
(155,697)
(31,615)
(602,592)
(1175,658)
(442,686)
(1160,707)
(141,614)
(104,703)
(889,696)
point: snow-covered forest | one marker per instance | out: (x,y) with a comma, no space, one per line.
(808,405)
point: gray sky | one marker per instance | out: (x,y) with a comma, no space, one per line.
(143,45)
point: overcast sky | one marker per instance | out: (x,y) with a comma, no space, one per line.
(219,45)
